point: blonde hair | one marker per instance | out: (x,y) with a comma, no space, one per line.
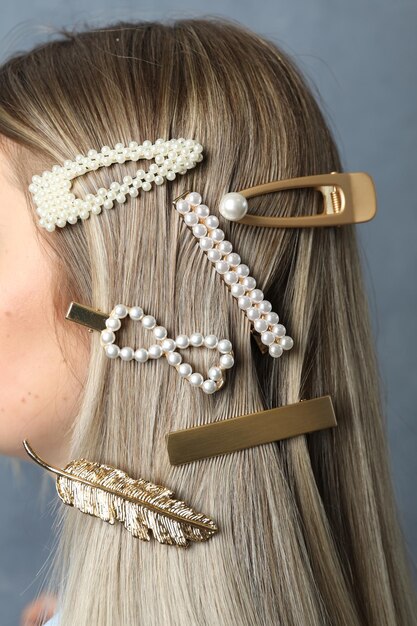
(308,527)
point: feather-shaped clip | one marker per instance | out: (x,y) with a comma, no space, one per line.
(110,494)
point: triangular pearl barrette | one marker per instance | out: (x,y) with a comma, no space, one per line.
(211,238)
(57,206)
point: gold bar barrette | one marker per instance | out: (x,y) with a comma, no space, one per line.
(348,198)
(253,429)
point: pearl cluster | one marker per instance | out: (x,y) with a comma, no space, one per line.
(57,206)
(235,274)
(166,346)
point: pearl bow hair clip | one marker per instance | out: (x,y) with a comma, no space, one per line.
(109,324)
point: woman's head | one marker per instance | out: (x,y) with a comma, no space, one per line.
(93,89)
(288,513)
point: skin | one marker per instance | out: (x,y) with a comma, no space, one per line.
(37,611)
(39,391)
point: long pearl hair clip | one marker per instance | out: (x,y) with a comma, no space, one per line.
(235,274)
(57,206)
(166,346)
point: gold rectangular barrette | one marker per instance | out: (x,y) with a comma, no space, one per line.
(348,197)
(253,429)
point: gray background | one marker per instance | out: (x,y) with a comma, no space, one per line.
(361,56)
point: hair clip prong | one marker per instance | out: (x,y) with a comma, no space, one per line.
(85,315)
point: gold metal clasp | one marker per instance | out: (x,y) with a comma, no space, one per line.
(85,315)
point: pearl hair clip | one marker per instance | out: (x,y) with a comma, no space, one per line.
(108,325)
(234,273)
(348,198)
(57,206)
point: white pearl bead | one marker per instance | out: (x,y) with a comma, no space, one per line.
(253,313)
(196,379)
(249,282)
(193,198)
(272,318)
(126,353)
(206,243)
(209,386)
(174,358)
(256,295)
(244,302)
(214,255)
(237,290)
(210,341)
(260,325)
(275,350)
(265,306)
(230,278)
(233,206)
(215,373)
(222,267)
(233,259)
(160,332)
(182,341)
(287,343)
(225,247)
(279,330)
(242,270)
(199,230)
(217,234)
(112,351)
(155,351)
(148,322)
(212,221)
(226,361)
(224,346)
(113,323)
(191,219)
(120,310)
(196,339)
(135,313)
(267,338)
(168,345)
(107,336)
(202,211)
(182,206)
(185,370)
(141,355)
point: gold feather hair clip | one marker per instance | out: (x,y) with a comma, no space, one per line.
(110,494)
